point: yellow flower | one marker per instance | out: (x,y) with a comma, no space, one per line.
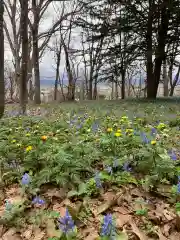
(29,148)
(153,142)
(118,134)
(28,134)
(119,130)
(128,130)
(124,117)
(13,141)
(161,126)
(44,138)
(109,130)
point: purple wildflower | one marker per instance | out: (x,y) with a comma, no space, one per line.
(153,131)
(108,229)
(109,169)
(115,163)
(95,127)
(66,223)
(144,138)
(38,200)
(126,167)
(172,155)
(98,180)
(25,179)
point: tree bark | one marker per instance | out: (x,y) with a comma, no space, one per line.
(165,80)
(162,36)
(174,82)
(123,74)
(24,65)
(57,74)
(37,97)
(149,64)
(2,92)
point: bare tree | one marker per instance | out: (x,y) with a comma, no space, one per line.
(2,93)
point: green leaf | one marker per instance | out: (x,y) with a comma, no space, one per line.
(122,236)
(82,188)
(72,193)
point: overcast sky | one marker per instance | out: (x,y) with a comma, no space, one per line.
(47,63)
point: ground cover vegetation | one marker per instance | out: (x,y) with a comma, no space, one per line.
(91,171)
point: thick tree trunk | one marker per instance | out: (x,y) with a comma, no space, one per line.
(162,36)
(151,93)
(37,97)
(2,92)
(24,65)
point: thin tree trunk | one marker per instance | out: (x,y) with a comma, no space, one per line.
(116,89)
(57,75)
(24,65)
(165,80)
(2,92)
(95,90)
(123,73)
(37,97)
(174,82)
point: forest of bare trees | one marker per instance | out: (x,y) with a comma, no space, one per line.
(118,43)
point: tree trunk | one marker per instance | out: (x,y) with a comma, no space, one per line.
(123,74)
(95,90)
(112,91)
(116,89)
(24,65)
(174,82)
(149,65)
(165,80)
(37,97)
(162,36)
(90,89)
(2,92)
(57,75)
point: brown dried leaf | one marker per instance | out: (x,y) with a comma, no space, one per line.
(174,236)
(57,193)
(121,219)
(51,229)
(121,210)
(58,208)
(160,235)
(92,236)
(1,230)
(166,229)
(109,196)
(38,234)
(11,235)
(106,205)
(137,231)
(28,233)
(169,215)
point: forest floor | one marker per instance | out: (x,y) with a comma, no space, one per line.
(91,170)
